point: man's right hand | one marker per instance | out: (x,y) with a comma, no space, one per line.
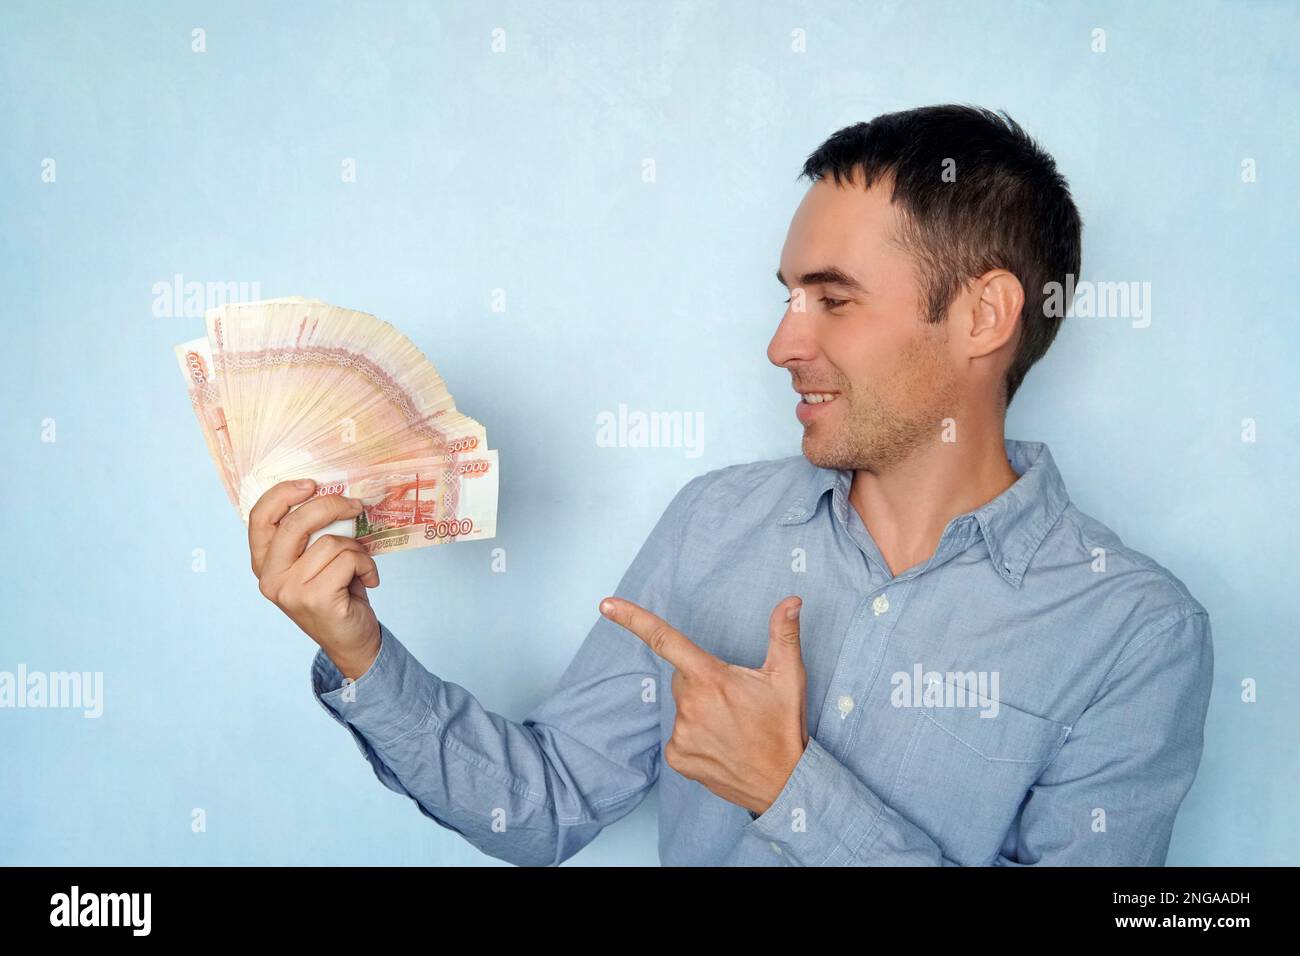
(321,589)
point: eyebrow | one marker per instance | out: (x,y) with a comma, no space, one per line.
(828,275)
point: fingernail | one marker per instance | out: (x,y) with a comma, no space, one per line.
(304,483)
(792,613)
(607,608)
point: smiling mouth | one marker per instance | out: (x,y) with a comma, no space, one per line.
(813,405)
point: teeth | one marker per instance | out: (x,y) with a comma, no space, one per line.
(813,398)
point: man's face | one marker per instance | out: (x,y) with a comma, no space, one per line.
(891,373)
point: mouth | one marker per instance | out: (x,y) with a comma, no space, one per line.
(813,405)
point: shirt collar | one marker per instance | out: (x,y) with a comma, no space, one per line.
(1013,524)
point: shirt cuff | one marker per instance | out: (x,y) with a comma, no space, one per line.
(822,814)
(390,700)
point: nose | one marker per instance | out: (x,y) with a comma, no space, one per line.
(794,339)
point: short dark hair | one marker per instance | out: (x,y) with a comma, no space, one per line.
(1007,208)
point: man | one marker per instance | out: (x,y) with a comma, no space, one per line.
(973,672)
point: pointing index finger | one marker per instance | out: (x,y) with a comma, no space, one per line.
(661,637)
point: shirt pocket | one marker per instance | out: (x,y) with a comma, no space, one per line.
(964,776)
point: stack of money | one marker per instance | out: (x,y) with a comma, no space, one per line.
(297,388)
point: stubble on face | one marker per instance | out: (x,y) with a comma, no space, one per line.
(883,424)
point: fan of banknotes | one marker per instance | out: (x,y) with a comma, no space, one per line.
(297,388)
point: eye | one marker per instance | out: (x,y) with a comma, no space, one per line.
(829,302)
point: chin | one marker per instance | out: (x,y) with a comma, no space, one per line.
(816,451)
(826,448)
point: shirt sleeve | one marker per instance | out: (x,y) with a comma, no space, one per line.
(532,792)
(1108,799)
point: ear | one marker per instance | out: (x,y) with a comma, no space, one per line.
(995,317)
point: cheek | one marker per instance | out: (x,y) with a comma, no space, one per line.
(898,373)
(873,362)
(926,373)
(860,358)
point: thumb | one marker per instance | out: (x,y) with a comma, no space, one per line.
(783,653)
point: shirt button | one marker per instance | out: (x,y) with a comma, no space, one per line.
(775,849)
(845,704)
(880,605)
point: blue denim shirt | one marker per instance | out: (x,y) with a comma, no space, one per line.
(1033,694)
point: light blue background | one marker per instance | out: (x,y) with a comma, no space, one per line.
(522,171)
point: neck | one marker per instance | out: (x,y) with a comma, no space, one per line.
(907,506)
